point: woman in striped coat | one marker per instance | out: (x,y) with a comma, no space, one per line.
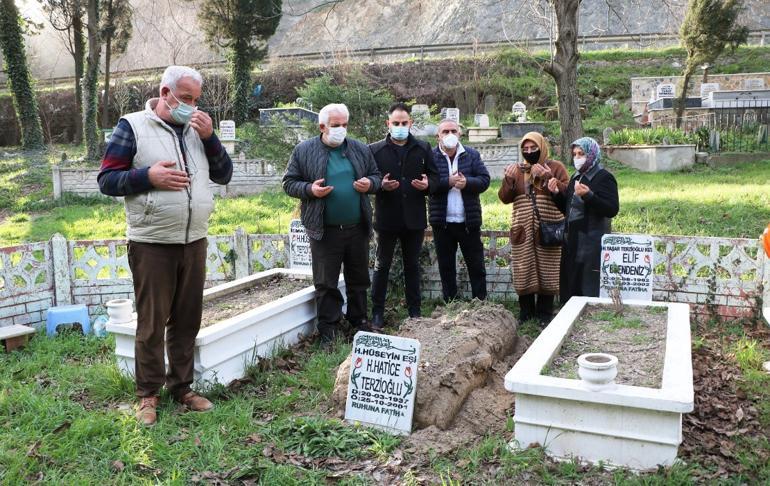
(535,267)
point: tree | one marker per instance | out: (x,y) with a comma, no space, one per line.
(563,70)
(19,79)
(66,16)
(708,28)
(116,30)
(242,27)
(90,84)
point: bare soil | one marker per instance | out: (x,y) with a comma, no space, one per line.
(466,351)
(266,291)
(637,338)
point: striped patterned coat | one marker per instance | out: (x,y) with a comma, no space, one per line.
(535,268)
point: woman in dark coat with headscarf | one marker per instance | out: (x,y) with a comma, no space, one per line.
(589,203)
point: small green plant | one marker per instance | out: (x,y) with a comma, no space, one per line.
(749,354)
(651,136)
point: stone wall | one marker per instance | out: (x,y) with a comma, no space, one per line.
(643,88)
(729,277)
(250,176)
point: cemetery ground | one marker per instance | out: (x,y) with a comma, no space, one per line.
(66,418)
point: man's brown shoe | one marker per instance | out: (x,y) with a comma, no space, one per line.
(147,413)
(195,402)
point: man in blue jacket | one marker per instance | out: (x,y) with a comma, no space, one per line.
(455,210)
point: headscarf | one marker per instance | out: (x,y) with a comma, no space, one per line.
(542,144)
(592,150)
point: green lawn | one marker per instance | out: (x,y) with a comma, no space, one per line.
(726,202)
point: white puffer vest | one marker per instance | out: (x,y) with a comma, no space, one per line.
(168,216)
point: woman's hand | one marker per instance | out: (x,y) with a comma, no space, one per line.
(581,189)
(510,171)
(541,171)
(553,185)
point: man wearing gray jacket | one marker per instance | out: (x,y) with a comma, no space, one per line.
(333,175)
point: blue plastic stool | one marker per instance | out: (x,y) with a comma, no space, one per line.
(67,314)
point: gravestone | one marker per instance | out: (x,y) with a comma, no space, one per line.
(383,380)
(519,111)
(707,88)
(490,103)
(481,120)
(299,246)
(665,90)
(227,130)
(450,114)
(420,111)
(606,134)
(627,263)
(420,117)
(477,119)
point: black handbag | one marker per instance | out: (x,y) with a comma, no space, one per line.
(551,233)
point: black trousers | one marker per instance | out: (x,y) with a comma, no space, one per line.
(411,244)
(447,239)
(341,245)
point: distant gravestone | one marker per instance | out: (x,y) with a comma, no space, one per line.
(627,263)
(227,130)
(753,84)
(477,119)
(707,88)
(383,381)
(420,111)
(299,246)
(519,111)
(606,134)
(665,90)
(611,102)
(451,114)
(490,103)
(484,121)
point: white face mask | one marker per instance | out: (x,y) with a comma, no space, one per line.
(579,162)
(336,135)
(450,141)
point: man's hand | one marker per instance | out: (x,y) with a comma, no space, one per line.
(202,124)
(420,184)
(362,185)
(163,177)
(581,189)
(319,190)
(553,185)
(460,183)
(454,178)
(388,184)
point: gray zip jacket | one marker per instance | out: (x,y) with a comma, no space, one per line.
(308,163)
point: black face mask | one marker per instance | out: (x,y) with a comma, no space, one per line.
(531,157)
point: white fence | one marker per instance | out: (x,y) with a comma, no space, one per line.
(250,176)
(717,276)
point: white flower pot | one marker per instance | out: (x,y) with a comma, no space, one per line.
(597,370)
(120,311)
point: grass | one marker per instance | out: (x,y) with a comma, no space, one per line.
(731,202)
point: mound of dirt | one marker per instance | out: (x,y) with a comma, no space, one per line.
(467,348)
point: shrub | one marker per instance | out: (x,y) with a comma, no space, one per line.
(650,136)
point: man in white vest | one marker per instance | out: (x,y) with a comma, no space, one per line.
(161,160)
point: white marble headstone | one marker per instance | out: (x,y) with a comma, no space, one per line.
(227,130)
(627,261)
(299,246)
(383,381)
(452,114)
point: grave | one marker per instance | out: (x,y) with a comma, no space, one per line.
(421,125)
(512,132)
(299,247)
(451,114)
(482,132)
(606,134)
(15,336)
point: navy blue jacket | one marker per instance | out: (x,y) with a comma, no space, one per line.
(477,181)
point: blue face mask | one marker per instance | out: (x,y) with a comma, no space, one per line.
(399,133)
(183,112)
